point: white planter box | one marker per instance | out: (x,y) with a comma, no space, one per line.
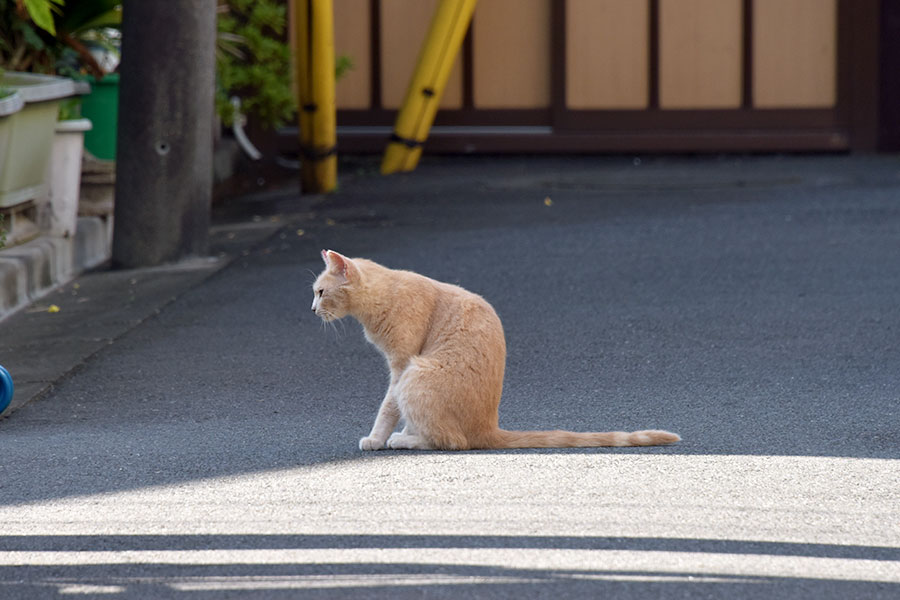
(64,177)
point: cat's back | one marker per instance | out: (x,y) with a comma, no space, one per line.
(459,298)
(417,287)
(462,314)
(466,339)
(451,311)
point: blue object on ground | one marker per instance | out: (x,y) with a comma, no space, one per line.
(6,388)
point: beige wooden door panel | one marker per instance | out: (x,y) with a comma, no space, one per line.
(352,38)
(794,53)
(404,24)
(511,54)
(700,54)
(607,54)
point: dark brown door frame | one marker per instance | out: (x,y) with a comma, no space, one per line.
(858,71)
(853,124)
(889,61)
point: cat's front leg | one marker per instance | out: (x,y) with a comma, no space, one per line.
(385,422)
(370,443)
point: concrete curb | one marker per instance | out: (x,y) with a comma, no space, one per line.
(33,269)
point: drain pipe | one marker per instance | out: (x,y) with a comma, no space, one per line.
(247,146)
(238,127)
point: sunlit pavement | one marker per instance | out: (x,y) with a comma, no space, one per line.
(494,522)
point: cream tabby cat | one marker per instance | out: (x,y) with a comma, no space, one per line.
(446,352)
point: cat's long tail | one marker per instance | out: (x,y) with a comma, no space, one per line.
(571,439)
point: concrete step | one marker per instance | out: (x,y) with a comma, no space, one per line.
(29,271)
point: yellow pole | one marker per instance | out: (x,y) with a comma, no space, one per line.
(302,79)
(442,44)
(314,43)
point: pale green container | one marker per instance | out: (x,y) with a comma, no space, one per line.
(9,105)
(29,140)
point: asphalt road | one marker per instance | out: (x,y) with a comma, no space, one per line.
(749,305)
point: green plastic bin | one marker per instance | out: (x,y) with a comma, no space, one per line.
(101,106)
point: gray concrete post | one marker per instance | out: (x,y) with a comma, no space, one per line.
(165,138)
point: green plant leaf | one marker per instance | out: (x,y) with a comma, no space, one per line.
(342,65)
(41,12)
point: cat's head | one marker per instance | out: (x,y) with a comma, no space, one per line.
(333,287)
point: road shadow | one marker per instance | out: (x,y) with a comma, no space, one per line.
(284,566)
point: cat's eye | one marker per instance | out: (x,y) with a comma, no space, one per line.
(320,292)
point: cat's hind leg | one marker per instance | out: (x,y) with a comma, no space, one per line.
(406,441)
(425,395)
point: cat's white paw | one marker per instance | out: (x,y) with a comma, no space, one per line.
(403,441)
(370,443)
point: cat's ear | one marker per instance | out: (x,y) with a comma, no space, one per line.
(332,260)
(340,265)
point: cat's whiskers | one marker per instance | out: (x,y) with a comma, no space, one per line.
(329,321)
(334,328)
